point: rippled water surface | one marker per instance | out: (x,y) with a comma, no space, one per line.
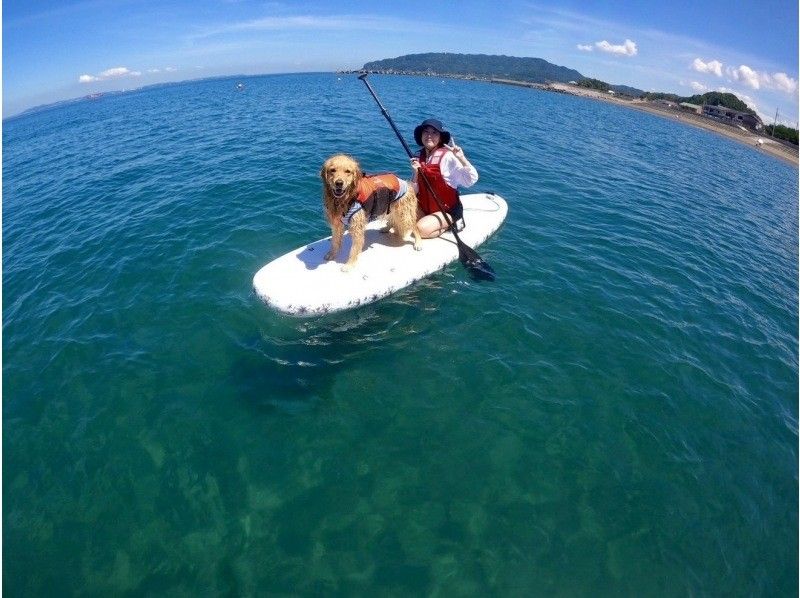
(615,415)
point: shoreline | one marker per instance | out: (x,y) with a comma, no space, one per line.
(768,146)
(762,143)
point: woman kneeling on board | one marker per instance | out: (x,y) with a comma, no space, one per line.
(446,168)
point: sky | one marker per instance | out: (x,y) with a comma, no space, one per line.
(56,50)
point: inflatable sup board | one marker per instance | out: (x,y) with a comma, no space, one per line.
(302,283)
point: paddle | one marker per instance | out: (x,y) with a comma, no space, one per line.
(475,264)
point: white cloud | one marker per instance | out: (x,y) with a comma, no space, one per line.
(585,47)
(783,82)
(713,66)
(756,80)
(119,71)
(746,75)
(626,49)
(698,87)
(113,73)
(157,70)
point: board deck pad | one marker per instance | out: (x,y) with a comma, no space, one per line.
(302,283)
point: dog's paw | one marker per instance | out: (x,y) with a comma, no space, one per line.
(348,267)
(385,229)
(417,246)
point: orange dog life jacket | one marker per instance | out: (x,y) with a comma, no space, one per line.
(375,194)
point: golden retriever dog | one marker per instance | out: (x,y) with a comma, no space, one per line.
(352,199)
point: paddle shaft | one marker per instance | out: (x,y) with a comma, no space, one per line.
(448,218)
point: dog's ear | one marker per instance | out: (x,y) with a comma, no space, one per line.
(323,169)
(358,174)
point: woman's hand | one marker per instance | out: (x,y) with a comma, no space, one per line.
(415,164)
(458,152)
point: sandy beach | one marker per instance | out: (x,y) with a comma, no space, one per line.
(773,147)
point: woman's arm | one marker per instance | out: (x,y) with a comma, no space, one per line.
(457,170)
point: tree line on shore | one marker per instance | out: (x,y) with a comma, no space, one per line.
(782,132)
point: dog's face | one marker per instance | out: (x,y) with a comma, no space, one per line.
(340,174)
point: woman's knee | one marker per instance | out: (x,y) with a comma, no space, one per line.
(431,225)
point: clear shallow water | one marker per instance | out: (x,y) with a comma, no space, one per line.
(615,415)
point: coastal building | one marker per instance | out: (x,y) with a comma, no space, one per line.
(696,108)
(732,117)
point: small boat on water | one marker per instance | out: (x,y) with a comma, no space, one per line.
(240,87)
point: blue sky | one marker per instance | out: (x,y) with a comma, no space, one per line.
(58,50)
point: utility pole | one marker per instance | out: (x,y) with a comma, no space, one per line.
(775,123)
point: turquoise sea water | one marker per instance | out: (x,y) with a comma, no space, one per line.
(615,415)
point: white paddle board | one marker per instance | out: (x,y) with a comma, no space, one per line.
(302,283)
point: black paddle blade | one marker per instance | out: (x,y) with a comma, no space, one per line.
(476,266)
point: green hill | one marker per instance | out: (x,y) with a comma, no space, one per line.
(716,98)
(534,70)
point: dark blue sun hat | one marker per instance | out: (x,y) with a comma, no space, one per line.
(433,123)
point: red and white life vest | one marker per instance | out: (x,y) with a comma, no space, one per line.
(432,170)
